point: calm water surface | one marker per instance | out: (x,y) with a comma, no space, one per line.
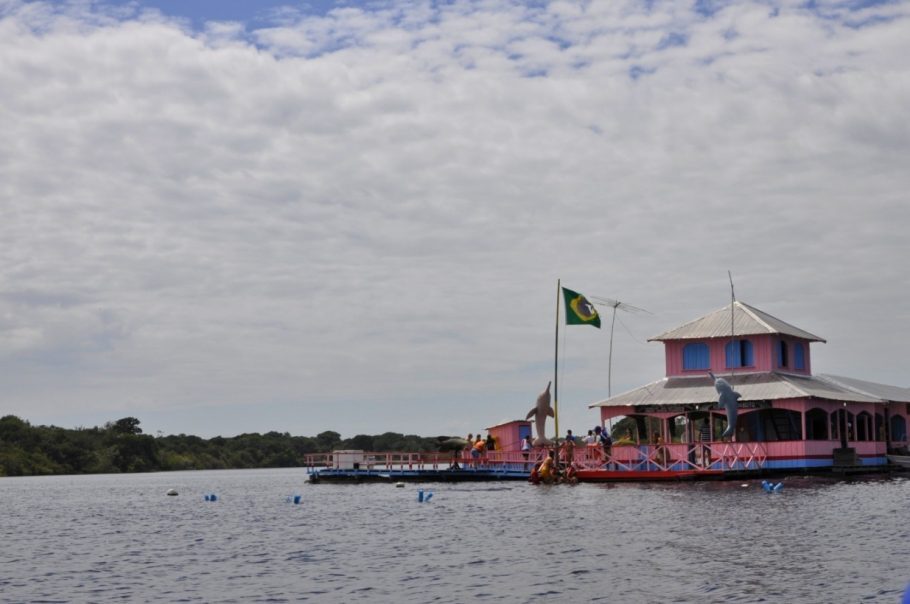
(119,538)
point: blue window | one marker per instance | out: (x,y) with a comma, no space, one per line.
(782,360)
(898,428)
(799,356)
(739,353)
(696,356)
(524,431)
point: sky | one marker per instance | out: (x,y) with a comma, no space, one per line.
(352,216)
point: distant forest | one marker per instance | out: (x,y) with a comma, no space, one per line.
(120,446)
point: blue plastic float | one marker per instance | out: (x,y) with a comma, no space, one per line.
(771,488)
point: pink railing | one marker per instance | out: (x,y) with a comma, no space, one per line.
(677,457)
(654,458)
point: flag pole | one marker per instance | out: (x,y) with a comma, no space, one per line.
(556,365)
(733,347)
(732,331)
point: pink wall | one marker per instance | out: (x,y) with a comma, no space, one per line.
(764,352)
(507,435)
(819,448)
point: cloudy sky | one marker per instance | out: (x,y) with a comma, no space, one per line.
(353,216)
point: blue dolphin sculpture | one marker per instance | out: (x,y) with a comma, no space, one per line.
(728,399)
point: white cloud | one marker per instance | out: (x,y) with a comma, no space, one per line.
(359,219)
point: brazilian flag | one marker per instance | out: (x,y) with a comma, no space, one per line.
(578,310)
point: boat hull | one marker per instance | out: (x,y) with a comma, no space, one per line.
(900,460)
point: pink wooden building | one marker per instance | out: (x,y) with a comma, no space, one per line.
(789,418)
(508,435)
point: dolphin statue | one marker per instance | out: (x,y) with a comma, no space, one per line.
(728,399)
(540,412)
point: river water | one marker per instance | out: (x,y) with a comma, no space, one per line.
(119,538)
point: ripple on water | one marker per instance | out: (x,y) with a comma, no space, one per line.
(107,538)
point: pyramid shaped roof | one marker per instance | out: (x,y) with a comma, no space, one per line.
(747,321)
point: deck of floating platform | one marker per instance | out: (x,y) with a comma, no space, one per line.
(641,464)
(365,466)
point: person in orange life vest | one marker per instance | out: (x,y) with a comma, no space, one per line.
(472,445)
(534,476)
(480,448)
(547,470)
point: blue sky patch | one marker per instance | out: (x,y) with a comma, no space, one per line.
(637,71)
(673,39)
(707,8)
(855,5)
(868,22)
(198,12)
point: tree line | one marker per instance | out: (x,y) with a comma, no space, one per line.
(121,446)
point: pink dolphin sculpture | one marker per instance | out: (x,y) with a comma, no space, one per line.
(540,412)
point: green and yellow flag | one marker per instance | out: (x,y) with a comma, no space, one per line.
(578,310)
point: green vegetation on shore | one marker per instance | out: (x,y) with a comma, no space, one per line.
(120,446)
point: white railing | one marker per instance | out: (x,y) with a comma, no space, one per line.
(399,461)
(723,456)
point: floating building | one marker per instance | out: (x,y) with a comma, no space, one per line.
(788,418)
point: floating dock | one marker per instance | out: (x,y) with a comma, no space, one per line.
(362,466)
(419,475)
(722,461)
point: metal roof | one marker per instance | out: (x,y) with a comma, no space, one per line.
(895,394)
(752,386)
(747,321)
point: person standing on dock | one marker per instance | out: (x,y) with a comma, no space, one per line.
(569,448)
(480,448)
(590,446)
(704,436)
(526,446)
(606,442)
(662,455)
(472,447)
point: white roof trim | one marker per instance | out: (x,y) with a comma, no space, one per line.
(758,319)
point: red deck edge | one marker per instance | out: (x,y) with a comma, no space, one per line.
(617,475)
